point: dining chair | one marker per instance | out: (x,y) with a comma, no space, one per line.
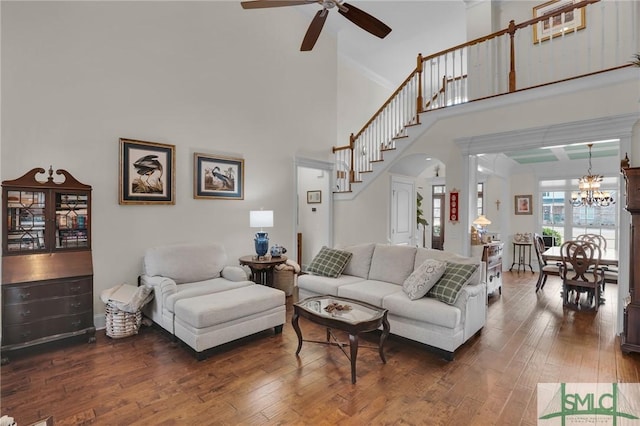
(585,276)
(596,239)
(545,268)
(610,272)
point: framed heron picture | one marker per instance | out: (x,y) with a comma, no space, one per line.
(147,172)
(218,177)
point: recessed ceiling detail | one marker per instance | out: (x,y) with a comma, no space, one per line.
(571,152)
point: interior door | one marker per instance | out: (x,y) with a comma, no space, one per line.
(402,210)
(437,217)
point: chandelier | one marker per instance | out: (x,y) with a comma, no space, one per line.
(589,193)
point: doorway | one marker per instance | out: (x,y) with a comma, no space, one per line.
(314,209)
(437,219)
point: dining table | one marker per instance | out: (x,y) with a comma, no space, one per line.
(608,256)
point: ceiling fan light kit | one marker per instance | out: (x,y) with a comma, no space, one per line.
(352,13)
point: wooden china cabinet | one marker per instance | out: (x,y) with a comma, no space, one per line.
(47,269)
(631,333)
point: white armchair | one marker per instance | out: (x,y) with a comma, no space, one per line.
(177,272)
(204,302)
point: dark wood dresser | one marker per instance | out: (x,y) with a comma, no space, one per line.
(631,333)
(47,268)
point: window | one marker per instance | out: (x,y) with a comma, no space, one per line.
(560,216)
(437,216)
(480,199)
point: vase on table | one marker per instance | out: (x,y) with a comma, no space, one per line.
(261,243)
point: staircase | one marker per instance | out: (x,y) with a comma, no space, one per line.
(551,48)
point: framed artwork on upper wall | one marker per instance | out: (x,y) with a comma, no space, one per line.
(218,177)
(523,204)
(557,25)
(147,172)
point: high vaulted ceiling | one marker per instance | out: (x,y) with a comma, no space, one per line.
(427,27)
(417,27)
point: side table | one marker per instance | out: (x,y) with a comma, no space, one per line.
(262,268)
(520,258)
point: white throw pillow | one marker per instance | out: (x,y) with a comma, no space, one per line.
(423,278)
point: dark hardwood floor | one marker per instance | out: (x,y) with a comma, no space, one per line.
(147,380)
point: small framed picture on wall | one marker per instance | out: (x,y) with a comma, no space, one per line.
(314,197)
(523,204)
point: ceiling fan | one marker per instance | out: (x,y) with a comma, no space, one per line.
(352,13)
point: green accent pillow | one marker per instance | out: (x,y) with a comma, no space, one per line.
(329,262)
(454,278)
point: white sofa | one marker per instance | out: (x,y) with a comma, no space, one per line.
(203,301)
(375,274)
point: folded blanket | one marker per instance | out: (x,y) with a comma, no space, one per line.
(289,265)
(127,298)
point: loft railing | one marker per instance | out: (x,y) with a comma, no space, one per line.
(573,41)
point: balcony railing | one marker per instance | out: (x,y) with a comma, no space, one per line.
(573,41)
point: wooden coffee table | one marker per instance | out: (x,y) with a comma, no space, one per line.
(348,315)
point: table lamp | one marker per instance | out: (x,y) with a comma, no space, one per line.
(261,219)
(481,223)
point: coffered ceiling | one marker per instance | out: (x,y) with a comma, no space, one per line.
(564,153)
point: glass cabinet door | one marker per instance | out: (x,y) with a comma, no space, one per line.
(26,220)
(72,220)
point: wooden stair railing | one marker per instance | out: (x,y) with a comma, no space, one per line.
(441,94)
(467,72)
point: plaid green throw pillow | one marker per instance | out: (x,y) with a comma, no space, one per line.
(329,262)
(454,278)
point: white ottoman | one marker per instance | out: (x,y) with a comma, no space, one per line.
(211,320)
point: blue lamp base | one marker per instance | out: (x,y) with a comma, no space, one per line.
(262,243)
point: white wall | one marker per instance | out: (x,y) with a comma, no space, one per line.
(498,189)
(358,99)
(205,76)
(366,218)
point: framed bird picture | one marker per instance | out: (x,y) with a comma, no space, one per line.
(218,177)
(147,172)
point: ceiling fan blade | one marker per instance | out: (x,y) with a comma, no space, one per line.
(364,20)
(313,32)
(261,4)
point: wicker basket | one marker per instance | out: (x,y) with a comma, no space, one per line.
(121,323)
(284,280)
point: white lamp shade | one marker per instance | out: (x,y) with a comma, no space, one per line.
(261,218)
(482,221)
